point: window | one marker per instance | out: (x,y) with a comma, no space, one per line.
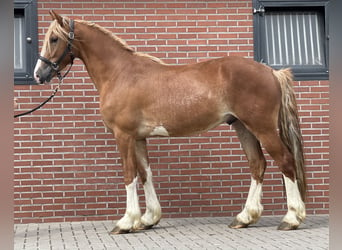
(292,34)
(25,40)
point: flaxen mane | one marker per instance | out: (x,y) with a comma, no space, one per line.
(121,41)
(57,30)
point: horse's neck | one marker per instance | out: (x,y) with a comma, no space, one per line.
(101,54)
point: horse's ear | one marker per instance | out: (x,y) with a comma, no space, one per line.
(57,17)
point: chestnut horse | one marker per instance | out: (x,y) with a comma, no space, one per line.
(140,97)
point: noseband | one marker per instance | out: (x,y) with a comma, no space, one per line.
(68,50)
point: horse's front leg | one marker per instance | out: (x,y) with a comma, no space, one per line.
(152,214)
(131,219)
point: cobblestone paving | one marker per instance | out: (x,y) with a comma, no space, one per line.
(185,233)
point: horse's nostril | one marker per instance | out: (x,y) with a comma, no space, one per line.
(38,78)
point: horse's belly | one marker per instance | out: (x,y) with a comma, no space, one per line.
(184,113)
(182,126)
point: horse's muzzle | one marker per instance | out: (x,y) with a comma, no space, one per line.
(44,75)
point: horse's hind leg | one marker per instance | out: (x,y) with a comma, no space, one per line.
(253,208)
(153,211)
(285,161)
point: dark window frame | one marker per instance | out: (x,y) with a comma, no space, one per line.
(300,73)
(29,10)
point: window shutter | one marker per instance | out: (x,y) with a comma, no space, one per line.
(294,38)
(293,34)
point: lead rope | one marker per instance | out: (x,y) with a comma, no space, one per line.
(60,78)
(40,105)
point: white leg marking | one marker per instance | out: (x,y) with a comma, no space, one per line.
(153,210)
(131,219)
(296,207)
(159,131)
(253,208)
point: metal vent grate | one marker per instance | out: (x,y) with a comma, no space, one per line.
(294,38)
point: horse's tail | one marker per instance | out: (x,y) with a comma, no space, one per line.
(289,128)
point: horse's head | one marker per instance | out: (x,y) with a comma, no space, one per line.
(56,53)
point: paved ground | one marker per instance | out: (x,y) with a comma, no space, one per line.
(189,233)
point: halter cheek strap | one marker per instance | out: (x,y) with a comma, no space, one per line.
(68,50)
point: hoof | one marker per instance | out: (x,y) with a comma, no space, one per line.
(286,226)
(237,224)
(117,230)
(146,227)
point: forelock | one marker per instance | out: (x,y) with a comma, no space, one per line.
(55,29)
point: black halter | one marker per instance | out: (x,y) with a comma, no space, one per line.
(55,67)
(68,50)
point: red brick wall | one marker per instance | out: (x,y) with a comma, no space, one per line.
(66,164)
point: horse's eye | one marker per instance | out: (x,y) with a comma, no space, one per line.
(53,39)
